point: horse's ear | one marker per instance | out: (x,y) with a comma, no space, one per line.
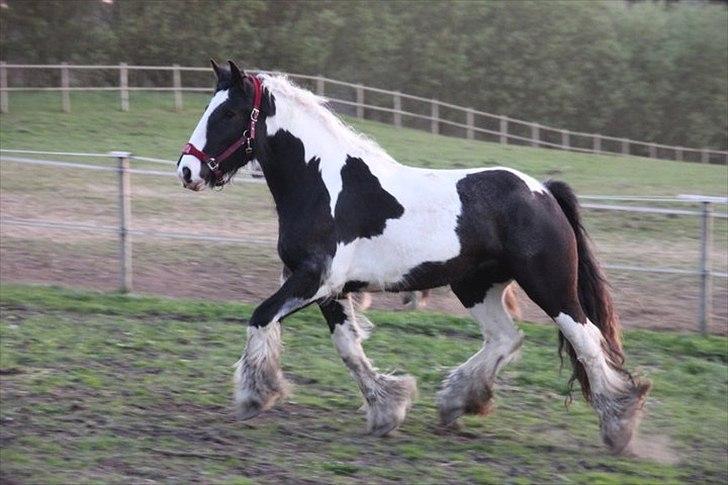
(237,76)
(216,68)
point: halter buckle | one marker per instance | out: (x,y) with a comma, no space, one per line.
(254,114)
(212,164)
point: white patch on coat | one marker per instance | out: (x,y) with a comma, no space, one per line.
(501,338)
(199,138)
(587,341)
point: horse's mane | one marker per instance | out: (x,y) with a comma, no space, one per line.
(281,87)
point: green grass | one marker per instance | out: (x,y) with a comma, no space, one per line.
(110,388)
(152,128)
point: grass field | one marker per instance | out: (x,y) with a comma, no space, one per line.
(110,389)
(152,128)
(250,272)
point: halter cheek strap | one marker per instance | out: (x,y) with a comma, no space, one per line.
(213,163)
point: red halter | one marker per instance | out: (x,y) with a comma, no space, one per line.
(213,163)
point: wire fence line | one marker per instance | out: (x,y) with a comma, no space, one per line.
(125,231)
(458,121)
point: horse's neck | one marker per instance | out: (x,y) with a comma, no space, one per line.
(294,177)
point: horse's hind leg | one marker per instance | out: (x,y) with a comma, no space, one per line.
(386,397)
(594,346)
(469,388)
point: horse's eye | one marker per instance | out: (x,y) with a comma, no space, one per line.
(228,113)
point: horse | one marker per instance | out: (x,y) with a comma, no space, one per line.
(353,219)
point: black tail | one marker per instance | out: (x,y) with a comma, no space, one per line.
(593,290)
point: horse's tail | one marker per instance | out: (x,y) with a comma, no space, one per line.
(593,291)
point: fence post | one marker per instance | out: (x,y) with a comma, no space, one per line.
(597,143)
(435,117)
(653,151)
(125,266)
(65,94)
(397,103)
(704,156)
(320,85)
(706,239)
(3,86)
(470,122)
(503,125)
(360,101)
(534,135)
(625,146)
(565,139)
(679,154)
(123,86)
(177,82)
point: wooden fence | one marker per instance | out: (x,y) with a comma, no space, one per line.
(395,107)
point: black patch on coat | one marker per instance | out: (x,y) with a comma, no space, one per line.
(305,226)
(363,206)
(334,313)
(354,286)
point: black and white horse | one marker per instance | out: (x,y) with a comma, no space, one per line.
(353,219)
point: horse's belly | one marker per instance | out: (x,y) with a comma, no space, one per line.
(385,261)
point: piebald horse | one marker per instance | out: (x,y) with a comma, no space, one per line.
(353,219)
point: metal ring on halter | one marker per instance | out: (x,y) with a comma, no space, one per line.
(212,164)
(248,143)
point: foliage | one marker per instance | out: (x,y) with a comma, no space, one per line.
(645,70)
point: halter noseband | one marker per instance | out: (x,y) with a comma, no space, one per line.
(213,163)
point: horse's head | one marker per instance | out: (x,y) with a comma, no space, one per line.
(224,139)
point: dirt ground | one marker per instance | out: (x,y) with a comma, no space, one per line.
(36,255)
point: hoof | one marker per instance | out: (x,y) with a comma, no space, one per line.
(256,392)
(247,409)
(388,406)
(249,404)
(453,403)
(620,416)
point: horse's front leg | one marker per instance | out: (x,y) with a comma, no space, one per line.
(259,381)
(386,397)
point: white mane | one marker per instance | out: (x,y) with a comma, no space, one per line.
(296,97)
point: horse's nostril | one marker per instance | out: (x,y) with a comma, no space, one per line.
(186,174)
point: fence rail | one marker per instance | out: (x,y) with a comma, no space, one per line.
(125,230)
(465,123)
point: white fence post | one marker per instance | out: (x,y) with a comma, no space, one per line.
(123,86)
(3,86)
(470,122)
(706,239)
(435,117)
(565,142)
(503,125)
(597,144)
(320,85)
(535,135)
(625,146)
(679,154)
(65,83)
(397,104)
(177,82)
(125,248)
(360,101)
